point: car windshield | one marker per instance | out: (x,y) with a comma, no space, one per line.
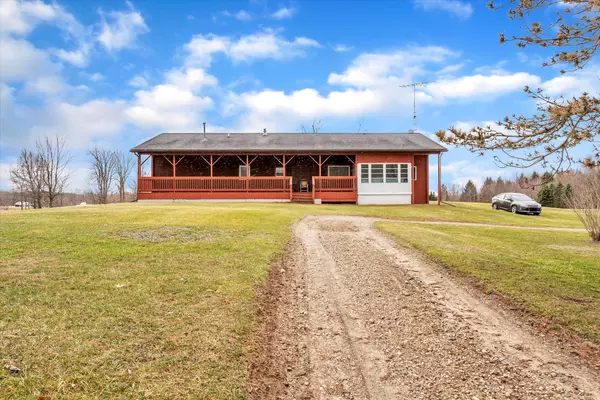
(520,197)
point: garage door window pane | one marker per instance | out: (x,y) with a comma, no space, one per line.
(404,173)
(364,173)
(376,173)
(391,173)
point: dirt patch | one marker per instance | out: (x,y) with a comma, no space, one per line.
(355,317)
(169,234)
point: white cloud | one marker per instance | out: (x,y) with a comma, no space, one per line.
(283,13)
(371,69)
(341,48)
(191,78)
(480,86)
(243,15)
(138,81)
(167,106)
(457,8)
(78,58)
(96,77)
(120,30)
(575,83)
(21,17)
(21,61)
(267,44)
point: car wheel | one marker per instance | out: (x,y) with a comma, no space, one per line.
(513,209)
(495,206)
(537,214)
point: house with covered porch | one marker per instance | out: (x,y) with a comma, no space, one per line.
(363,168)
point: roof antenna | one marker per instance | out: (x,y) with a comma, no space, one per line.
(414,86)
(204,138)
(264,132)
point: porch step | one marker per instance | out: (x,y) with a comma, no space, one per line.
(302,197)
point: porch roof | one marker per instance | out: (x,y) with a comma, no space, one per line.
(288,143)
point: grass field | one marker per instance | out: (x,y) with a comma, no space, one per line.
(555,274)
(155,300)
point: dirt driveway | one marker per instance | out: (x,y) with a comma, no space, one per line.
(355,317)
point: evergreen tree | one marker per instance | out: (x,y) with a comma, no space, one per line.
(547,178)
(568,193)
(469,192)
(546,196)
(534,175)
(559,196)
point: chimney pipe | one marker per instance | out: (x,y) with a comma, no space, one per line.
(264,132)
(204,137)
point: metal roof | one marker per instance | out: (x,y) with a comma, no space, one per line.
(288,142)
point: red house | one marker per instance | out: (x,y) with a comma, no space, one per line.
(363,168)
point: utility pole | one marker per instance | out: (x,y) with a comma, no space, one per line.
(414,86)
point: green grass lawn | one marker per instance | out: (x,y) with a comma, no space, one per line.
(156,299)
(176,327)
(555,274)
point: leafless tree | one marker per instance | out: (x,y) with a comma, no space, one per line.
(104,171)
(124,165)
(55,158)
(28,175)
(562,124)
(315,126)
(585,202)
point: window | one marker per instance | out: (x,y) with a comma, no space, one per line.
(242,170)
(364,173)
(391,173)
(404,173)
(376,173)
(278,171)
(338,170)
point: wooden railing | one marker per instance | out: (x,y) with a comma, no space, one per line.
(334,184)
(215,184)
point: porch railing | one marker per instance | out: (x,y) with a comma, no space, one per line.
(334,184)
(214,184)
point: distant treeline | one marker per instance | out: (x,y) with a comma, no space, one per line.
(548,190)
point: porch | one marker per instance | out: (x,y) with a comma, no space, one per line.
(262,177)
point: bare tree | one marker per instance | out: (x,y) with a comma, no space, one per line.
(315,126)
(55,158)
(104,170)
(560,125)
(124,165)
(585,202)
(28,176)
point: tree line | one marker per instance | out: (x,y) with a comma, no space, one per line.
(41,174)
(548,189)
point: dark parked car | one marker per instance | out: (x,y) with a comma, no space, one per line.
(516,203)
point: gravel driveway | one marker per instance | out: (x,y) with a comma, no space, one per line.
(355,317)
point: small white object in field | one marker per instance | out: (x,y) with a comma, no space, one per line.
(83,203)
(120,285)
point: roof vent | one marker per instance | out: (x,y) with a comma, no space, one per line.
(264,132)
(412,131)
(228,134)
(204,135)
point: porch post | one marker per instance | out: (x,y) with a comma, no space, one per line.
(211,173)
(284,165)
(174,166)
(439,196)
(320,165)
(247,172)
(139,157)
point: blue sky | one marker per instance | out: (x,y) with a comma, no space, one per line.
(114,73)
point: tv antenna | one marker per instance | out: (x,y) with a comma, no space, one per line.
(414,86)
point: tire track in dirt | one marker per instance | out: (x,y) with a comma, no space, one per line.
(359,318)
